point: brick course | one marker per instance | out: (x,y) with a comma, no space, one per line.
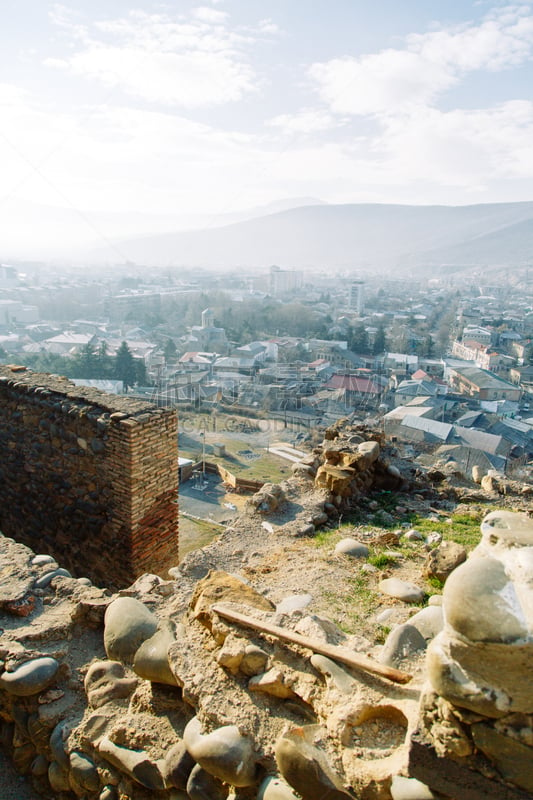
(88,477)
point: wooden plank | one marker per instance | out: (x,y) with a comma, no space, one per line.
(331,651)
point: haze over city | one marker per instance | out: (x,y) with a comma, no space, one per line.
(122,120)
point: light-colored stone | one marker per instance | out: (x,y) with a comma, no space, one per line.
(128,623)
(489,484)
(368,453)
(477,473)
(254,660)
(231,653)
(513,760)
(334,674)
(435,600)
(83,774)
(224,753)
(484,677)
(409,789)
(46,579)
(31,677)
(442,561)
(351,547)
(275,789)
(401,590)
(306,768)
(429,621)
(412,535)
(402,642)
(481,603)
(42,559)
(135,763)
(506,528)
(151,659)
(106,681)
(220,587)
(293,602)
(274,683)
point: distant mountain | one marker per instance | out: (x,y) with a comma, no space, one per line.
(66,233)
(361,237)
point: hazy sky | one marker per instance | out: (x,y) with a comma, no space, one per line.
(110,107)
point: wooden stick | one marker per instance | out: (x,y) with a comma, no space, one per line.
(329,650)
(440,511)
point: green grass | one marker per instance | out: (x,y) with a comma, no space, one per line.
(380,560)
(268,468)
(436,584)
(353,603)
(382,633)
(330,536)
(195,533)
(463,528)
(387,501)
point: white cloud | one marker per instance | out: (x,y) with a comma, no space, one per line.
(210,15)
(385,82)
(503,40)
(306,121)
(118,158)
(472,149)
(399,79)
(176,62)
(140,160)
(268,26)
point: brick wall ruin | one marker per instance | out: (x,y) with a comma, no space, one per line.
(87,477)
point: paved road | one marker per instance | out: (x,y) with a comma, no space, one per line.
(206,502)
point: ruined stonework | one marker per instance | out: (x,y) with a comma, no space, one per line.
(89,477)
(477,708)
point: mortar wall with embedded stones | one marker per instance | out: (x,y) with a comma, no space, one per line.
(89,477)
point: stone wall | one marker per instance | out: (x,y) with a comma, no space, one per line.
(89,477)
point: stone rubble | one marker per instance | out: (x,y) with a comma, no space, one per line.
(151,693)
(480,666)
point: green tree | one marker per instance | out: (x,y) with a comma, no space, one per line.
(104,361)
(358,339)
(141,377)
(125,366)
(169,350)
(85,363)
(380,341)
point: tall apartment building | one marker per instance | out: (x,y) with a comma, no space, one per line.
(356,298)
(284,280)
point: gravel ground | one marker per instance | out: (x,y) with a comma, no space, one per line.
(14,787)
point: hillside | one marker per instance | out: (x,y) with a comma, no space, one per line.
(288,659)
(363,237)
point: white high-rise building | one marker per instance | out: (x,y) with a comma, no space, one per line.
(283,281)
(356,299)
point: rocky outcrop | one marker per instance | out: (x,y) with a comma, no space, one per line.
(480,692)
(154,691)
(151,691)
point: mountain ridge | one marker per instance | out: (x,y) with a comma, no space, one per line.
(358,236)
